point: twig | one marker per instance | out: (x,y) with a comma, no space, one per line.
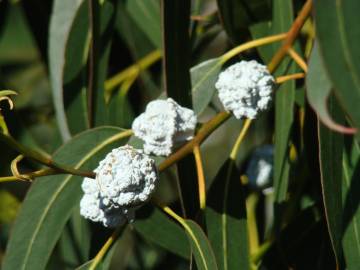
(203,133)
(240,138)
(290,36)
(297,58)
(286,78)
(201,177)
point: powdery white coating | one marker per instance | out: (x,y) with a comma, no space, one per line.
(245,89)
(260,168)
(125,179)
(163,126)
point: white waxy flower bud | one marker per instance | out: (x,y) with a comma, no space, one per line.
(245,89)
(163,126)
(260,167)
(125,179)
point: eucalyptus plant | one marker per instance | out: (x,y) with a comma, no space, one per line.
(178,134)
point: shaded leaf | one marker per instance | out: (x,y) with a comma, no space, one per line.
(51,200)
(307,232)
(156,227)
(331,151)
(176,46)
(284,105)
(75,72)
(63,15)
(146,15)
(351,210)
(74,243)
(226,220)
(237,16)
(104,18)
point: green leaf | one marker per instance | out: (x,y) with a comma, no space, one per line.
(121,113)
(237,16)
(318,90)
(261,30)
(226,220)
(331,153)
(146,15)
(156,227)
(176,46)
(62,18)
(203,79)
(338,36)
(351,214)
(51,200)
(75,72)
(139,45)
(284,105)
(203,253)
(104,18)
(74,243)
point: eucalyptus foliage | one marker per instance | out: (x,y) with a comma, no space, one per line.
(74,74)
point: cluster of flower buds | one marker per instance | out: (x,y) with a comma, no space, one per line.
(125,179)
(163,126)
(245,89)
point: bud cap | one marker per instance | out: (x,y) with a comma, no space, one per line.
(245,89)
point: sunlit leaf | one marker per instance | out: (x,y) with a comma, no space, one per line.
(338,36)
(318,90)
(51,200)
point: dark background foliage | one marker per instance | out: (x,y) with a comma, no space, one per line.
(83,70)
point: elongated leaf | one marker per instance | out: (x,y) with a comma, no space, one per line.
(146,15)
(176,46)
(203,253)
(318,90)
(104,18)
(284,96)
(284,105)
(156,227)
(63,15)
(75,72)
(351,214)
(203,79)
(140,46)
(226,221)
(339,48)
(331,152)
(176,62)
(51,200)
